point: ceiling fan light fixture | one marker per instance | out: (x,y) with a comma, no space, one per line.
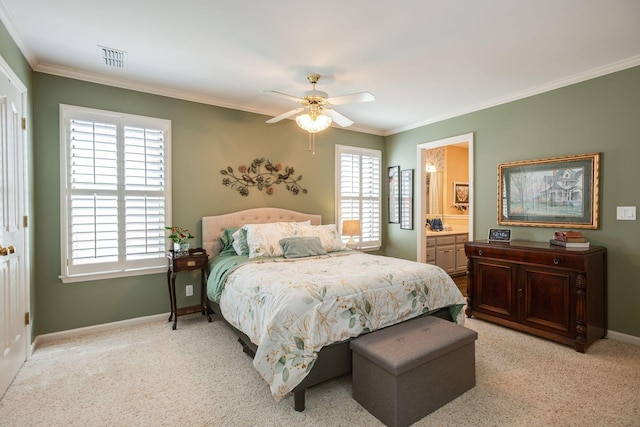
(313,124)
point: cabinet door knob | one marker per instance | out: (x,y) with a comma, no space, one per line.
(480,252)
(556,261)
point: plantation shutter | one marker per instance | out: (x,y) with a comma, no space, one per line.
(144,193)
(359,192)
(114,193)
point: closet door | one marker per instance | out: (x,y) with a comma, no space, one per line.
(14,281)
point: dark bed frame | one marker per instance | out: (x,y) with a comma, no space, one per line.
(333,360)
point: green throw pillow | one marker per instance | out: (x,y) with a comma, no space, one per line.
(299,247)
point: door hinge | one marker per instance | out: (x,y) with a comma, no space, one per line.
(26,318)
(24,123)
(25,221)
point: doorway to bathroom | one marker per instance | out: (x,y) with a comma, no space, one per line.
(444,202)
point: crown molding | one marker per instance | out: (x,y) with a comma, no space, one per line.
(547,87)
(5,17)
(162,91)
(195,97)
(7,20)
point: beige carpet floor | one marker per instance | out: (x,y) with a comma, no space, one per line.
(149,375)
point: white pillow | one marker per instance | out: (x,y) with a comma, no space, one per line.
(264,239)
(328,235)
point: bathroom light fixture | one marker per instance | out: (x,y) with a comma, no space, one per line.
(430,167)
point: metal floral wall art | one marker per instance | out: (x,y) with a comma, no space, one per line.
(263,175)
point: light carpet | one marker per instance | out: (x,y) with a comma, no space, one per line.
(197,375)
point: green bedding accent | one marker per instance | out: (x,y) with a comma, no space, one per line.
(226,241)
(219,268)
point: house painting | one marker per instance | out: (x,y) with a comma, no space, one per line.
(563,188)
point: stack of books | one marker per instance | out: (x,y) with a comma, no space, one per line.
(569,239)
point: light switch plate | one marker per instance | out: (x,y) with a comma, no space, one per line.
(626,213)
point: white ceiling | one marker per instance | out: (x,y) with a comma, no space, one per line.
(424,60)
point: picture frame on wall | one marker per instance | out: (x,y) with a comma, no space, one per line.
(552,192)
(393,194)
(461,194)
(406,199)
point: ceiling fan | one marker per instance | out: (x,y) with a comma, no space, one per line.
(319,115)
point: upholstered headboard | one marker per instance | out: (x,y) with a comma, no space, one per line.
(213,226)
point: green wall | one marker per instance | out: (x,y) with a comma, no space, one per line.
(599,115)
(205,139)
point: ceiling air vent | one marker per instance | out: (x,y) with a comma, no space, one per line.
(113,58)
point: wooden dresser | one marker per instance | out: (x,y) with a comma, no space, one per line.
(535,287)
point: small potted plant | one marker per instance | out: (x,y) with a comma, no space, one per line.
(180,237)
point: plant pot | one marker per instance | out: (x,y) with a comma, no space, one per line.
(180,249)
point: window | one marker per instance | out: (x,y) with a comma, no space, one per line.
(114,193)
(358,192)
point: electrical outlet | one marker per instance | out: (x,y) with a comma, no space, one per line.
(189,289)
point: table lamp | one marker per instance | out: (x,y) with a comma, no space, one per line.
(351,227)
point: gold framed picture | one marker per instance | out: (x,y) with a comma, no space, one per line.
(553,192)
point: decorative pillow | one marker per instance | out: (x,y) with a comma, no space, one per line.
(240,242)
(299,247)
(264,239)
(226,241)
(328,235)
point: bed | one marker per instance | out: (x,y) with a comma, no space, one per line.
(296,305)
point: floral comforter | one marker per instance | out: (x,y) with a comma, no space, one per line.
(292,308)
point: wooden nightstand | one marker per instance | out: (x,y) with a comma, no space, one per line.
(196,260)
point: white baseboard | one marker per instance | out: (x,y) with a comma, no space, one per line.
(631,339)
(72,333)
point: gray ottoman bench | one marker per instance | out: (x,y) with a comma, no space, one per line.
(403,372)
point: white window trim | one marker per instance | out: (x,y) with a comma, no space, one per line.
(338,215)
(131,120)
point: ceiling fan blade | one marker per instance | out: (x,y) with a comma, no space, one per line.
(285,115)
(284,95)
(337,117)
(352,98)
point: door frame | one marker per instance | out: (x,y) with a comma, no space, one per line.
(421,184)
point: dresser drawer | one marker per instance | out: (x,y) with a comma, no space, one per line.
(445,240)
(560,258)
(188,263)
